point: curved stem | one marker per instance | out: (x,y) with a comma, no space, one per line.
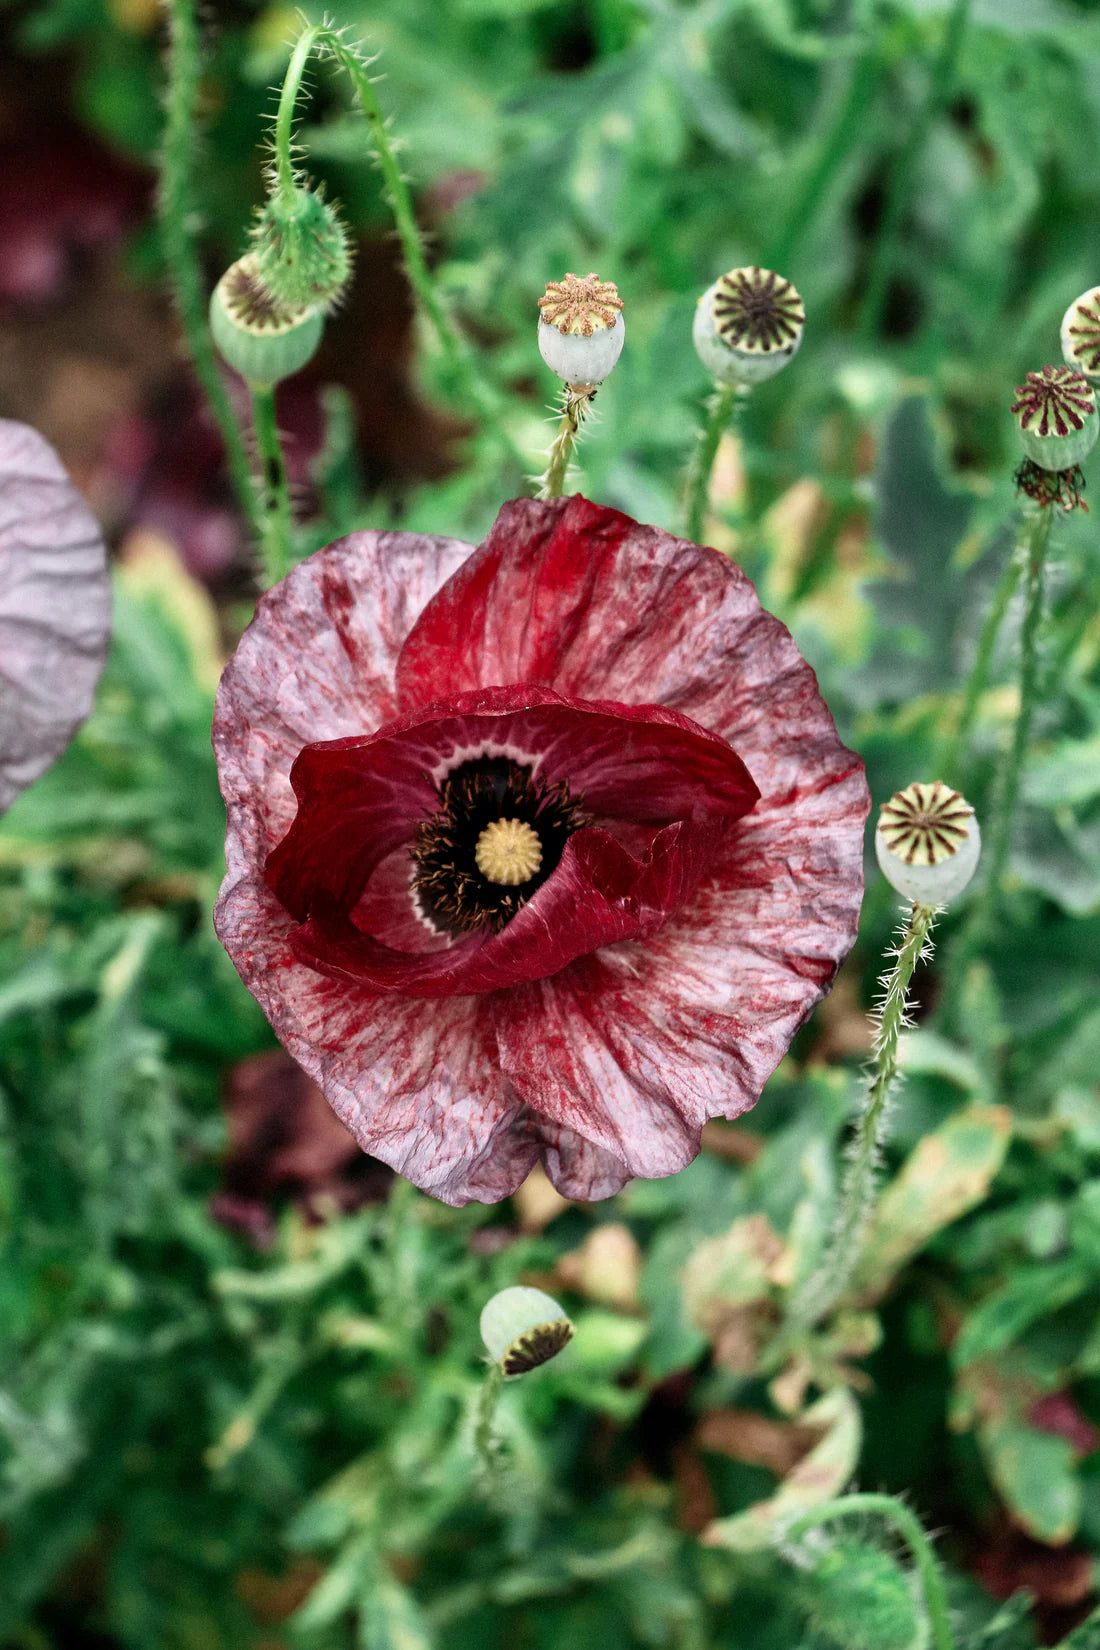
(955,746)
(941,81)
(177,217)
(277,522)
(720,408)
(909,1527)
(824,1288)
(460,363)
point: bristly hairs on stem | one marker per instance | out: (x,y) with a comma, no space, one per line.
(576,410)
(178,219)
(827,1284)
(325,41)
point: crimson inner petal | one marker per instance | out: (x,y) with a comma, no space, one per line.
(671,787)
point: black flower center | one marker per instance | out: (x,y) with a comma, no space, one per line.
(496,837)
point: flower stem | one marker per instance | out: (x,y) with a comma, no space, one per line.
(468,382)
(721,406)
(574,410)
(824,1288)
(941,82)
(488,1451)
(947,762)
(177,217)
(909,1527)
(277,519)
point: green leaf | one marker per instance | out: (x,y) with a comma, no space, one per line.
(1031,1293)
(1036,1474)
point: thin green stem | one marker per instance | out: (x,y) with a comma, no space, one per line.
(831,154)
(485,1446)
(909,1527)
(460,363)
(277,518)
(941,82)
(177,216)
(720,408)
(1000,839)
(824,1288)
(574,408)
(953,749)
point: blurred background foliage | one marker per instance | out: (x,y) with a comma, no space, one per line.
(238,1371)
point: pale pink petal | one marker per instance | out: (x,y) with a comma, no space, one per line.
(576,1167)
(317,662)
(55,608)
(420,1089)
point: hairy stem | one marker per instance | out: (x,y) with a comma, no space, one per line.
(485,1445)
(460,364)
(940,85)
(909,1527)
(947,763)
(574,410)
(824,1288)
(176,213)
(277,518)
(720,408)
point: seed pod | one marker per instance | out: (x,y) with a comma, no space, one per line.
(581,328)
(860,1598)
(301,250)
(1081,335)
(747,326)
(265,340)
(523,1328)
(1056,413)
(927,843)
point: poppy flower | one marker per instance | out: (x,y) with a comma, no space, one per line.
(541,849)
(55,608)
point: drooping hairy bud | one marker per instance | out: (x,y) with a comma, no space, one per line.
(263,338)
(301,249)
(860,1599)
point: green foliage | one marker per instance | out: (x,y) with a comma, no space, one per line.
(204,1442)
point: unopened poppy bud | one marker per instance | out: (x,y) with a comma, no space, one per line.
(581,328)
(1056,413)
(523,1328)
(927,843)
(301,250)
(1081,335)
(747,326)
(263,338)
(860,1599)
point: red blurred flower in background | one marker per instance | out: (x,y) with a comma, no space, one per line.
(546,848)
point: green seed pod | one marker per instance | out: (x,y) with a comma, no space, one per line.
(1056,413)
(1081,335)
(301,250)
(927,843)
(860,1598)
(523,1328)
(263,339)
(747,326)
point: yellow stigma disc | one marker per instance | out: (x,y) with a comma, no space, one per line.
(509,852)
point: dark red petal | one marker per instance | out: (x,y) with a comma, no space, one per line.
(360,800)
(422,1091)
(317,662)
(55,608)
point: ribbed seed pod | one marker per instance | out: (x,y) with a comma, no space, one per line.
(581,328)
(1056,413)
(1081,335)
(927,843)
(747,326)
(523,1328)
(265,340)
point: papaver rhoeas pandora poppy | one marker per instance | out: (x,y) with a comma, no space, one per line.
(544,848)
(55,608)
